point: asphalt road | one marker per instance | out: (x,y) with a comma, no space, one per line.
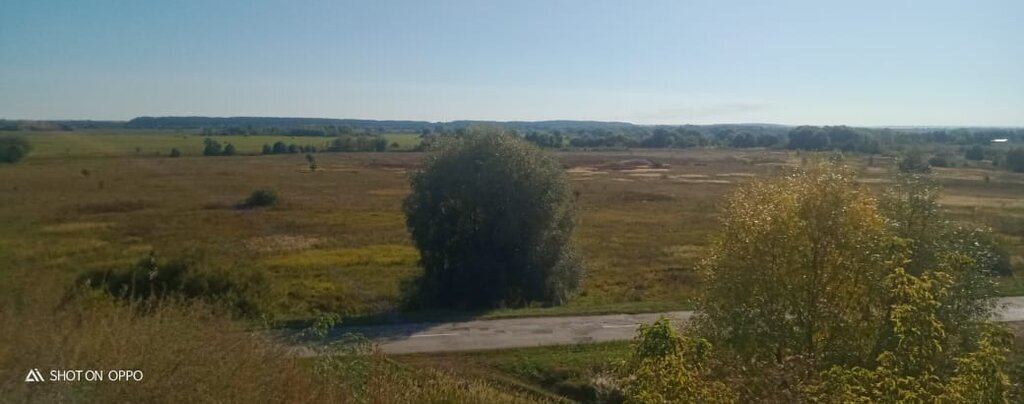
(539,331)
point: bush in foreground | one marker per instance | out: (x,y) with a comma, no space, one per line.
(191,352)
(13,148)
(151,281)
(811,280)
(493,218)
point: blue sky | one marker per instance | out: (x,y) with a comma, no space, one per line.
(657,62)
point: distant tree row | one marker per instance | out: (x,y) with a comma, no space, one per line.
(348,143)
(214,148)
(280,147)
(344,143)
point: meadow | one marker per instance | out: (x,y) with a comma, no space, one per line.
(106,143)
(337,241)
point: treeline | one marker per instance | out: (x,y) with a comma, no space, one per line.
(54,126)
(842,138)
(343,143)
(254,125)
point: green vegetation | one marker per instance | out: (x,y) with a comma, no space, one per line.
(582,372)
(108,143)
(1015,159)
(350,143)
(667,367)
(493,218)
(13,148)
(645,220)
(339,244)
(261,198)
(914,161)
(809,282)
(150,281)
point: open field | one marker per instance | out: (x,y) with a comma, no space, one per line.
(85,143)
(337,242)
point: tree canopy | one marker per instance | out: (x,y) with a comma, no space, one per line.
(13,148)
(493,218)
(874,299)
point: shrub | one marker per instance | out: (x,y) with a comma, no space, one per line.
(261,198)
(914,162)
(13,148)
(1015,159)
(175,153)
(152,280)
(279,148)
(229,150)
(267,149)
(212,147)
(941,160)
(493,218)
(869,292)
(312,162)
(666,367)
(805,236)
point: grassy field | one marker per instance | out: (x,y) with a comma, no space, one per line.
(85,143)
(337,241)
(571,371)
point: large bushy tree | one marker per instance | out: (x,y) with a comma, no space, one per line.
(879,300)
(1015,159)
(796,269)
(493,218)
(13,148)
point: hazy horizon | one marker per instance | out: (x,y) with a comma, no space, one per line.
(511,121)
(879,64)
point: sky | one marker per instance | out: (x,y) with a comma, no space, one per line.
(864,63)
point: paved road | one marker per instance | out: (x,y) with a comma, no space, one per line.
(538,331)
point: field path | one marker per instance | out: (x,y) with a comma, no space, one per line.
(539,331)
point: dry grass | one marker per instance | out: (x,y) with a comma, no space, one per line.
(337,241)
(189,353)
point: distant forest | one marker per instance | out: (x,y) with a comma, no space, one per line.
(566,133)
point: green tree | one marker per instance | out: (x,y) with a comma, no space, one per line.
(1015,159)
(312,162)
(229,150)
(920,366)
(261,198)
(795,268)
(267,149)
(493,218)
(933,243)
(175,152)
(667,367)
(914,161)
(212,147)
(975,153)
(886,299)
(280,147)
(13,148)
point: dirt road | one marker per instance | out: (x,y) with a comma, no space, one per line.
(538,331)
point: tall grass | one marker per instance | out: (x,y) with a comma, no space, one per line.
(188,352)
